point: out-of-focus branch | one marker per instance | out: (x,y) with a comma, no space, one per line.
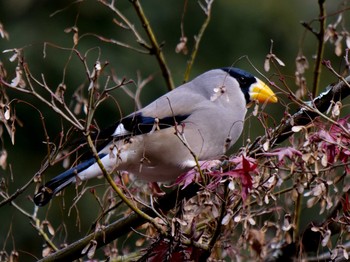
(156,48)
(36,223)
(56,103)
(153,48)
(198,38)
(19,191)
(320,35)
(320,48)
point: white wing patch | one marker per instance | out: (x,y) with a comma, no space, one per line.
(120,131)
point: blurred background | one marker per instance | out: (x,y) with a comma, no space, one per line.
(241,28)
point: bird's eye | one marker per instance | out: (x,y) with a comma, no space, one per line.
(242,80)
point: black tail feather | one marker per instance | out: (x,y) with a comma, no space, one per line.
(58,183)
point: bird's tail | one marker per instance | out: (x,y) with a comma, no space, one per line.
(58,183)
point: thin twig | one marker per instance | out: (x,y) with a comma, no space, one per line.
(106,174)
(19,191)
(198,38)
(35,222)
(156,49)
(320,48)
(128,25)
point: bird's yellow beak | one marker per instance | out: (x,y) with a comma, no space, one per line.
(262,93)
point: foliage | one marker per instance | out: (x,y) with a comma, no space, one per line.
(252,205)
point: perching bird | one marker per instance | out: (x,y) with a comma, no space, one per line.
(205,116)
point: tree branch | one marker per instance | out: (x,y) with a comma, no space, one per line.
(156,49)
(122,226)
(304,116)
(198,38)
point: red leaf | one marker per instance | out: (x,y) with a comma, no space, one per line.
(284,152)
(193,175)
(245,166)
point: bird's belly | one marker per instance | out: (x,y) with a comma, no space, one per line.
(158,173)
(157,158)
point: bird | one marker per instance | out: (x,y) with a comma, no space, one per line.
(197,121)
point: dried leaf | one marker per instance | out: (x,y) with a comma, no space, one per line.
(295,194)
(315,229)
(287,225)
(338,47)
(347,41)
(75,38)
(267,63)
(237,218)
(302,64)
(14,257)
(311,202)
(139,242)
(66,162)
(334,254)
(7,114)
(266,145)
(326,238)
(232,187)
(336,109)
(251,221)
(46,251)
(13,57)
(90,249)
(319,190)
(181,47)
(75,31)
(3,33)
(297,129)
(279,61)
(51,229)
(226,219)
(324,160)
(345,254)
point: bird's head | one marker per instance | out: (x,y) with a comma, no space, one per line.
(253,88)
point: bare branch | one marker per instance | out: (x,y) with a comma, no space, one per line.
(156,48)
(207,10)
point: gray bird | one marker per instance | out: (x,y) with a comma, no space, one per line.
(205,116)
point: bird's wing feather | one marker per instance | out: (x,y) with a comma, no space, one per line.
(165,112)
(138,124)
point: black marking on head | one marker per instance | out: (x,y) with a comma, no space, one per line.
(244,78)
